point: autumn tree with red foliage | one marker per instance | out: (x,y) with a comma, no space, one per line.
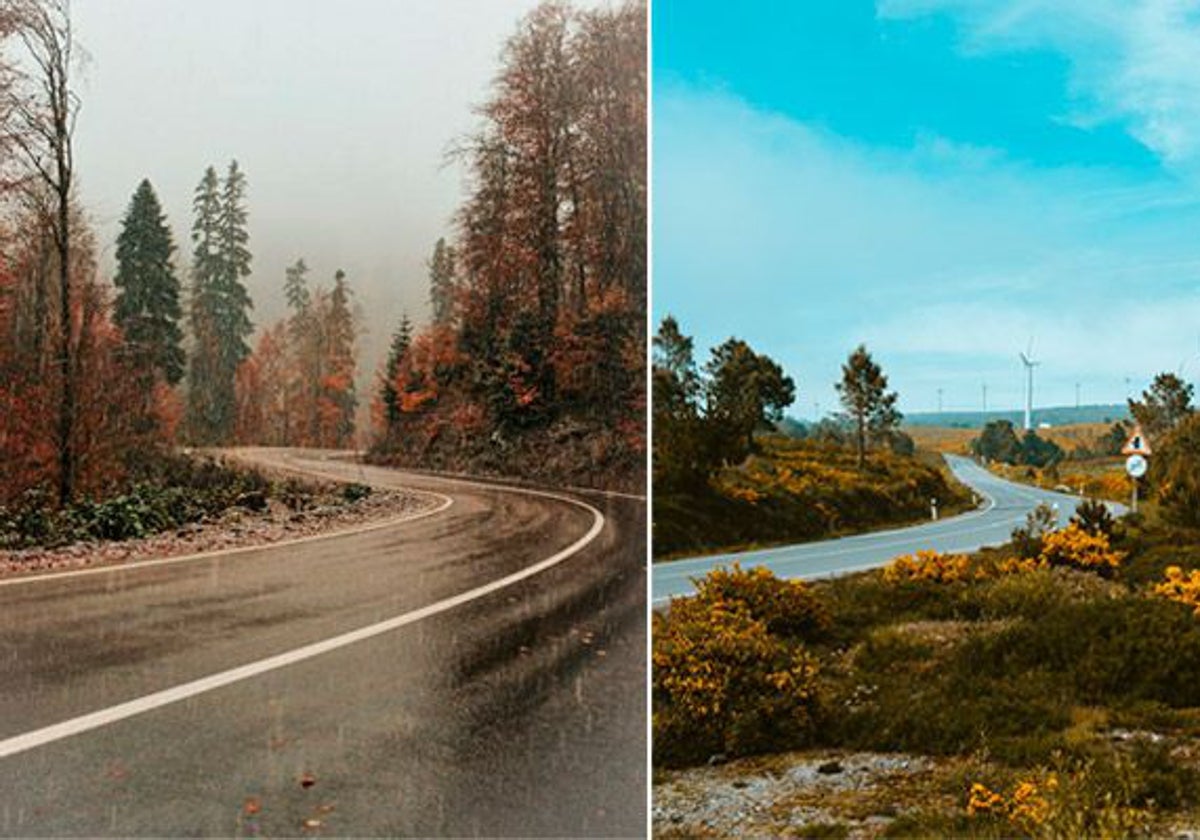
(297,388)
(543,339)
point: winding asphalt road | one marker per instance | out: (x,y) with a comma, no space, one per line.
(1005,506)
(478,670)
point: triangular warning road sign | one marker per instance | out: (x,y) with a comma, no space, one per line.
(1137,443)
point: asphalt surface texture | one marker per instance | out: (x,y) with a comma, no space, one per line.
(495,708)
(1004,506)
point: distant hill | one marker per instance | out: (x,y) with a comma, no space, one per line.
(1054,415)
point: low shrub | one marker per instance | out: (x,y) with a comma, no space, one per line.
(1074,547)
(928,566)
(731,675)
(1181,588)
(786,607)
(355,492)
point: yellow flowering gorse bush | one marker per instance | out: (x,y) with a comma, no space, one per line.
(928,566)
(1181,587)
(1075,547)
(1026,808)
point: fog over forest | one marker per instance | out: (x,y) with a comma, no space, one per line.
(341,116)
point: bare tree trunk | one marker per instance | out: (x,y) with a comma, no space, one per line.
(39,115)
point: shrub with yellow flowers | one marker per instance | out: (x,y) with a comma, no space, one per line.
(1026,808)
(928,566)
(1073,546)
(731,674)
(1181,587)
(1073,801)
(787,607)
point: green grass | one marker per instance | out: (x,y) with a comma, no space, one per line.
(795,491)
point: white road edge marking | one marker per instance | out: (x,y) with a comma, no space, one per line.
(446,502)
(103,717)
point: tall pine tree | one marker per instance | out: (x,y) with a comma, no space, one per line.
(220,304)
(147,306)
(441,282)
(339,378)
(389,396)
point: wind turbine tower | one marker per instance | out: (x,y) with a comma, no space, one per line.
(1030,364)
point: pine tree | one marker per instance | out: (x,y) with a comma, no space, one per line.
(147,306)
(203,421)
(401,341)
(302,385)
(220,323)
(441,282)
(232,238)
(339,379)
(864,394)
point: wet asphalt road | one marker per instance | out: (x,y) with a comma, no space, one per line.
(520,712)
(1005,506)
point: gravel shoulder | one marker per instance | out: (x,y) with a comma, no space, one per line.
(817,793)
(235,528)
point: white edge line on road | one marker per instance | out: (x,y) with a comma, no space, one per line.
(446,502)
(700,563)
(121,711)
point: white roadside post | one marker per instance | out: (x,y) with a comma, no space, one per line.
(933,508)
(1136,450)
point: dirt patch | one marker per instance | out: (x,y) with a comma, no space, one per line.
(824,793)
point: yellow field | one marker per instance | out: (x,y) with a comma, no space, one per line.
(945,439)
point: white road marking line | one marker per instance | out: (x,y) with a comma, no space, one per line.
(673,572)
(121,711)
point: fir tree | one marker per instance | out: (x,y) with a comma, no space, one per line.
(401,341)
(441,282)
(339,381)
(220,323)
(147,306)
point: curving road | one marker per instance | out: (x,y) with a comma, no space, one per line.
(477,670)
(1005,505)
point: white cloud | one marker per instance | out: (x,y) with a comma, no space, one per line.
(944,258)
(1136,62)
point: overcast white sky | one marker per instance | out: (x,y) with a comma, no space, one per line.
(339,113)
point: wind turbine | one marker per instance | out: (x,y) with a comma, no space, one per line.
(1030,364)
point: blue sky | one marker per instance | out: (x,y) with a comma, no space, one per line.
(944,180)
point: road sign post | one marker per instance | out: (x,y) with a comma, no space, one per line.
(1137,448)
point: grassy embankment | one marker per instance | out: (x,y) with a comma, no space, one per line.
(1090,475)
(1061,698)
(797,490)
(163,492)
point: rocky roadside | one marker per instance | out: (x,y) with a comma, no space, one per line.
(808,794)
(235,528)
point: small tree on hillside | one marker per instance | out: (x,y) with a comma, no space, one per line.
(864,394)
(1166,403)
(745,391)
(998,442)
(1175,473)
(679,450)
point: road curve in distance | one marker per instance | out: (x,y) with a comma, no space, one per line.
(1005,505)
